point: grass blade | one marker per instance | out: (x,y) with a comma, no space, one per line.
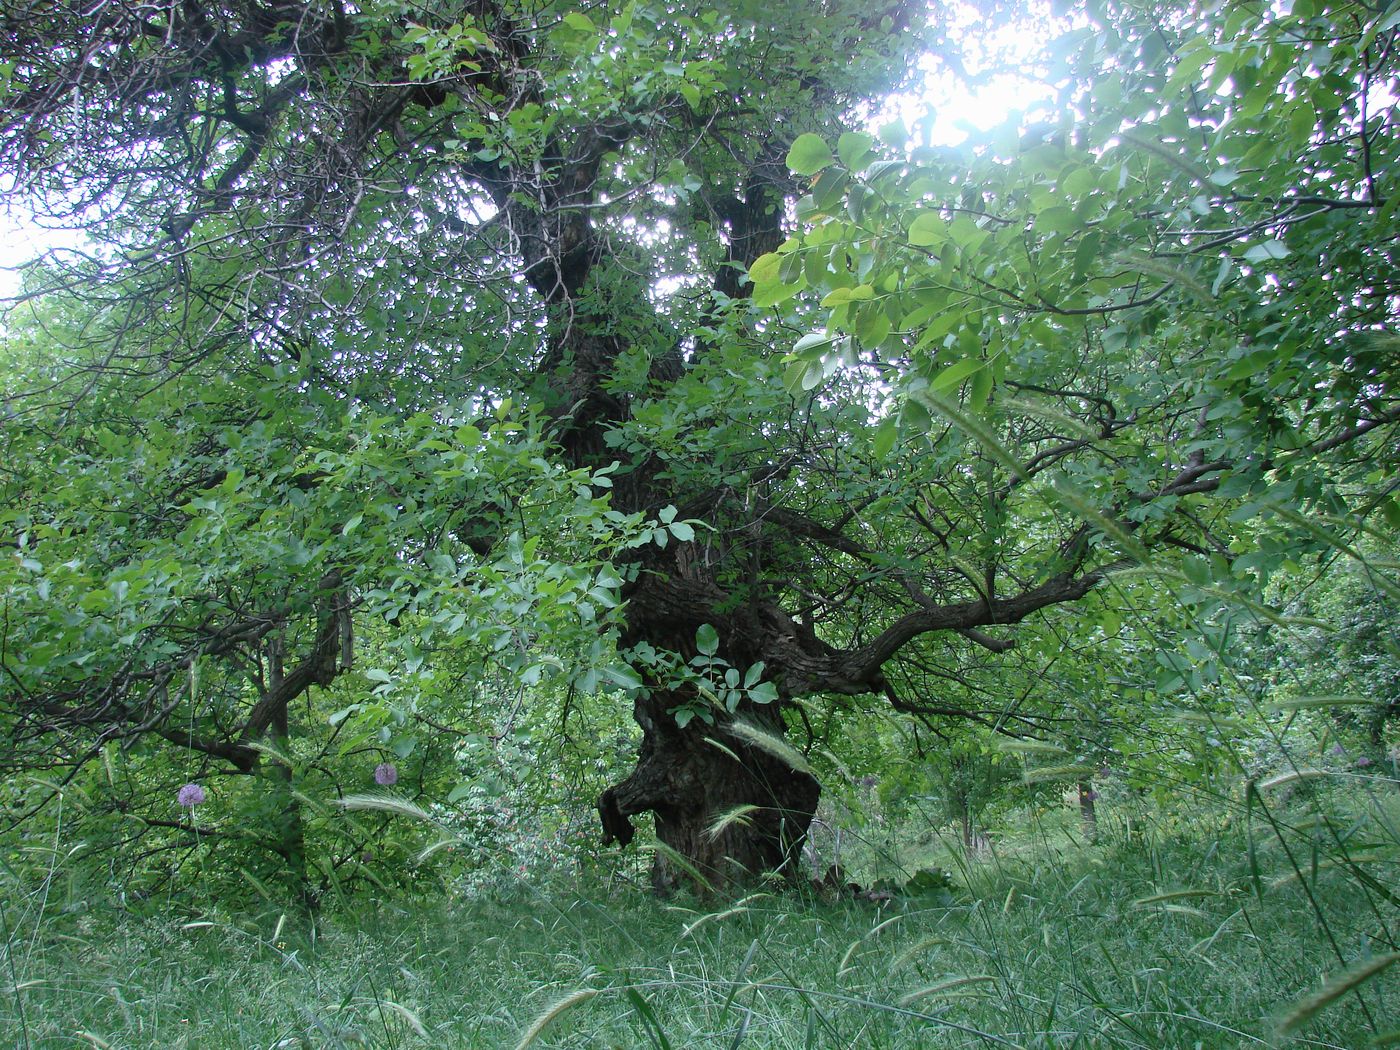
(540,1023)
(1305,1009)
(944,987)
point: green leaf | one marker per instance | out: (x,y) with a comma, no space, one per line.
(927,230)
(894,134)
(841,296)
(882,443)
(624,676)
(955,373)
(853,148)
(764,269)
(811,341)
(980,389)
(1265,251)
(579,21)
(872,324)
(1057,219)
(809,154)
(1085,254)
(1222,275)
(773,294)
(763,693)
(793,377)
(707,640)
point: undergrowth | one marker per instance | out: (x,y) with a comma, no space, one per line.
(1188,939)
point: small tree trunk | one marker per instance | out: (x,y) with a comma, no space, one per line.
(288,830)
(1087,813)
(727,809)
(960,801)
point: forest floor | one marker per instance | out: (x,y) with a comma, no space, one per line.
(1194,939)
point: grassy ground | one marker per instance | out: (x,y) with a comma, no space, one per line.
(1152,942)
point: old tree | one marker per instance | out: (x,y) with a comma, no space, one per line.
(606,343)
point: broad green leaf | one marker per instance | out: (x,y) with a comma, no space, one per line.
(809,154)
(707,640)
(853,147)
(764,269)
(773,294)
(811,341)
(927,230)
(839,296)
(884,438)
(954,373)
(1266,251)
(894,134)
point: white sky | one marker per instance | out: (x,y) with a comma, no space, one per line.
(20,241)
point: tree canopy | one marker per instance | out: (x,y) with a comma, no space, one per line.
(618,350)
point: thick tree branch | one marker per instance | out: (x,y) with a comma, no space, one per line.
(108,707)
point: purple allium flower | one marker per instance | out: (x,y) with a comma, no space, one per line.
(1337,749)
(1362,762)
(386,774)
(190,795)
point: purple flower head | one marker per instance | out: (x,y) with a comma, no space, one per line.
(1362,762)
(1337,749)
(1088,796)
(190,795)
(386,774)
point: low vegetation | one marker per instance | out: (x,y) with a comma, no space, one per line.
(1210,929)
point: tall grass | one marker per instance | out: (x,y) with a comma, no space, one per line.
(1202,936)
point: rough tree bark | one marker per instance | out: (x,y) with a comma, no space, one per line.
(695,777)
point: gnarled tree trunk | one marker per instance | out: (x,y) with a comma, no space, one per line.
(727,809)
